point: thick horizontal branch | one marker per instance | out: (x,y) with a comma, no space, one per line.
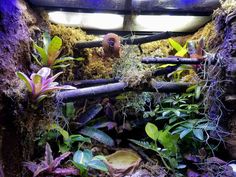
(174,60)
(129,41)
(169,87)
(96,82)
(114,88)
(89,83)
(73,95)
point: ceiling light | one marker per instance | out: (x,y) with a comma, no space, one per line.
(88,20)
(169,23)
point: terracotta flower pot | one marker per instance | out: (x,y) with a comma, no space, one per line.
(122,162)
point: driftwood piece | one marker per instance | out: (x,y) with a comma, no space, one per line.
(73,95)
(94,82)
(115,88)
(129,41)
(175,60)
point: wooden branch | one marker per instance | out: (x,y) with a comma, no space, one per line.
(89,83)
(164,71)
(175,60)
(114,88)
(169,87)
(73,95)
(129,41)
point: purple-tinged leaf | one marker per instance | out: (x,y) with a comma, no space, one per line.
(44,72)
(66,171)
(26,80)
(48,154)
(58,160)
(53,78)
(32,166)
(191,173)
(41,168)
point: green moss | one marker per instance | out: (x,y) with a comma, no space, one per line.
(70,36)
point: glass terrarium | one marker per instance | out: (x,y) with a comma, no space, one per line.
(120,88)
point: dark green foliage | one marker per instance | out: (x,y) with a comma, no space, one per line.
(89,114)
(97,135)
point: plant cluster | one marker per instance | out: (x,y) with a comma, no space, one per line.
(50,52)
(40,84)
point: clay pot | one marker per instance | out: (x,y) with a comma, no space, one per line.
(122,162)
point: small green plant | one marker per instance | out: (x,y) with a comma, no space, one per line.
(40,84)
(195,127)
(181,51)
(83,160)
(177,107)
(167,140)
(50,52)
(68,140)
(50,166)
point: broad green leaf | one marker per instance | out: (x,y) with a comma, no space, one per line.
(55,45)
(83,157)
(181,53)
(184,133)
(151,131)
(175,44)
(198,133)
(54,49)
(63,132)
(26,80)
(97,135)
(42,54)
(168,140)
(80,138)
(98,164)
